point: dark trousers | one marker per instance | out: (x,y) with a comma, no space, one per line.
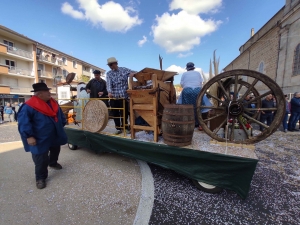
(285,121)
(42,161)
(119,113)
(295,116)
(266,117)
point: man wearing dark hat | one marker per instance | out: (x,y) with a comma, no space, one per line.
(40,124)
(191,82)
(117,85)
(97,86)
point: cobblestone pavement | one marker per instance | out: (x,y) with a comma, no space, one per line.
(9,132)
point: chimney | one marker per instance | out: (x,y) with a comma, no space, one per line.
(252,32)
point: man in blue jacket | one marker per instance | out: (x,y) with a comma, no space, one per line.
(295,112)
(40,124)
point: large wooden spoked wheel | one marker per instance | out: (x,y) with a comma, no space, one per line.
(233,87)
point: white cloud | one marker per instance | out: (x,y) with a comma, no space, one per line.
(181,32)
(69,10)
(181,55)
(196,6)
(111,16)
(143,41)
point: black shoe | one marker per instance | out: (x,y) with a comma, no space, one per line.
(290,130)
(40,184)
(296,129)
(57,166)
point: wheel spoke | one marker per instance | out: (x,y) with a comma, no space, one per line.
(219,100)
(260,96)
(244,128)
(235,88)
(211,107)
(255,121)
(211,118)
(223,89)
(219,127)
(249,89)
(260,109)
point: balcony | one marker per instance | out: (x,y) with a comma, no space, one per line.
(49,60)
(16,52)
(19,52)
(86,73)
(20,72)
(45,74)
(21,90)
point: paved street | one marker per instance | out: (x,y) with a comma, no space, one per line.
(99,189)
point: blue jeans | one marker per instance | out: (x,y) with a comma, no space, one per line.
(285,121)
(293,120)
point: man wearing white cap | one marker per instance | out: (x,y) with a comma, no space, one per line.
(117,85)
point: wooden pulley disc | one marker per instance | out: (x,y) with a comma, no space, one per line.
(95,116)
(70,77)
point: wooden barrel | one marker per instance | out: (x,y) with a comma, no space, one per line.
(178,124)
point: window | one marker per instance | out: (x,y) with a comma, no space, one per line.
(64,72)
(64,61)
(296,63)
(39,51)
(75,64)
(261,67)
(8,43)
(54,71)
(64,94)
(10,63)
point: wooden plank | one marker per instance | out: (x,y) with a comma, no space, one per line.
(143,107)
(224,144)
(142,127)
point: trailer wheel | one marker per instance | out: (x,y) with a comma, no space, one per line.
(72,147)
(207,187)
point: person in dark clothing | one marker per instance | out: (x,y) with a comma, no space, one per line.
(248,105)
(266,115)
(286,115)
(41,127)
(295,112)
(15,113)
(2,113)
(96,87)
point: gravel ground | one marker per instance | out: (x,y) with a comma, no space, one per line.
(274,196)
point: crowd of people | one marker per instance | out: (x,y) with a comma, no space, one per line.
(9,111)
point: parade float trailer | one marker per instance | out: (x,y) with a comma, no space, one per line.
(223,156)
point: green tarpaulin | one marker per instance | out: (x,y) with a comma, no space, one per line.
(229,172)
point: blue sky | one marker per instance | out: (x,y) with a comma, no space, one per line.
(137,31)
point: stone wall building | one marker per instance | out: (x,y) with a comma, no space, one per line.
(275,49)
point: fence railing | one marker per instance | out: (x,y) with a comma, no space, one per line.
(20,52)
(76,106)
(20,71)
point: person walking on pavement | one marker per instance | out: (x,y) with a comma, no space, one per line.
(1,114)
(287,112)
(266,115)
(40,124)
(9,112)
(117,85)
(96,87)
(295,112)
(13,106)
